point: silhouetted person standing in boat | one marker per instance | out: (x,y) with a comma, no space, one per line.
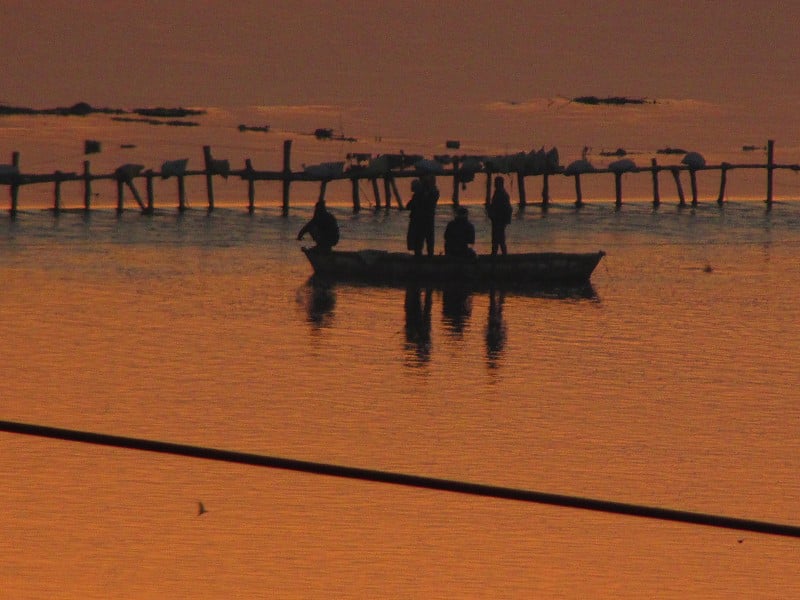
(459,235)
(499,211)
(422,208)
(415,237)
(322,227)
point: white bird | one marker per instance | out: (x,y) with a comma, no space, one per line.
(694,160)
(576,167)
(622,165)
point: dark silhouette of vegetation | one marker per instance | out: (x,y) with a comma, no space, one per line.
(669,150)
(264,128)
(173,123)
(82,109)
(324,133)
(165,113)
(617,152)
(612,100)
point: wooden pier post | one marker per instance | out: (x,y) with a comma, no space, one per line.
(693,183)
(87,186)
(523,198)
(287,176)
(722,181)
(387,192)
(396,194)
(209,176)
(456,182)
(57,193)
(150,208)
(129,182)
(356,195)
(578,192)
(181,194)
(618,188)
(376,192)
(14,184)
(251,186)
(677,175)
(120,191)
(770,169)
(545,190)
(654,171)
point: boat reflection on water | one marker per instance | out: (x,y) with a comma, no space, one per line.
(321,294)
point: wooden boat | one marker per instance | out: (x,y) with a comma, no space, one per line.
(518,270)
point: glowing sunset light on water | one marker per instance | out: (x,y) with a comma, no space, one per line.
(670,381)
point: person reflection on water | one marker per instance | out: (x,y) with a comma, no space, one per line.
(322,227)
(418,322)
(459,235)
(456,309)
(320,303)
(495,329)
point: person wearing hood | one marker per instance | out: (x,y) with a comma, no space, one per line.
(459,235)
(322,228)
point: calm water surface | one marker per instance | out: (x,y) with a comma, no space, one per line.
(672,383)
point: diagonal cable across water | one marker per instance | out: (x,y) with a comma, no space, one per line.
(445,485)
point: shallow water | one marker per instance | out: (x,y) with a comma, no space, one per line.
(673,384)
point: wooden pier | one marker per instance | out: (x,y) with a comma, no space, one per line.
(461,170)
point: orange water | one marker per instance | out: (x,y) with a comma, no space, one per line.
(675,386)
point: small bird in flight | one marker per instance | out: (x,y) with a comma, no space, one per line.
(201,510)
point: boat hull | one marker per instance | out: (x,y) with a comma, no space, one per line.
(523,270)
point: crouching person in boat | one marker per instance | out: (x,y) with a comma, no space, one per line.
(322,228)
(459,235)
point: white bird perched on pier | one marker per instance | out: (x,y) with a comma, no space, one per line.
(128,171)
(429,166)
(576,167)
(694,160)
(176,168)
(219,167)
(325,170)
(622,166)
(378,165)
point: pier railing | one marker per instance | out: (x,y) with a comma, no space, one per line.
(126,177)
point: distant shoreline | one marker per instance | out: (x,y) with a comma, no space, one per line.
(82,109)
